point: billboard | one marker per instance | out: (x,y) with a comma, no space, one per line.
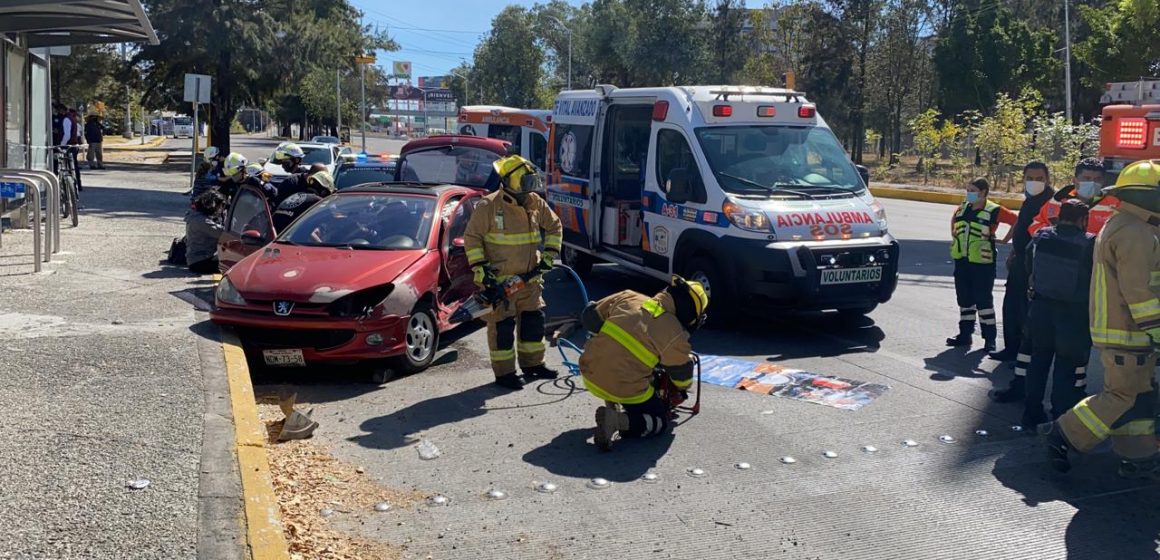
(402,69)
(409,93)
(436,82)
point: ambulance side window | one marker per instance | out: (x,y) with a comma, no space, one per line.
(574,149)
(539,149)
(673,152)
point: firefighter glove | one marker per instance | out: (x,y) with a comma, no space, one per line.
(484,276)
(547,259)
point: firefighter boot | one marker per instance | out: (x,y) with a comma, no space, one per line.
(966,328)
(540,372)
(989,328)
(1051,434)
(609,420)
(510,381)
(1013,392)
(1140,468)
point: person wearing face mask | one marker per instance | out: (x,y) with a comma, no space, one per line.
(633,335)
(1036,192)
(973,230)
(503,240)
(1060,263)
(1087,187)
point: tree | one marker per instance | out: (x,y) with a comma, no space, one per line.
(1003,137)
(860,20)
(509,63)
(824,65)
(898,68)
(665,44)
(252,52)
(1121,46)
(928,138)
(728,45)
(604,43)
(554,38)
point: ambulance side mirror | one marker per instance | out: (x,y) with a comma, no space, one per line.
(865,173)
(680,188)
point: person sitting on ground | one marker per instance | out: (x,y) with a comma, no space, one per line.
(634,335)
(318,186)
(202,229)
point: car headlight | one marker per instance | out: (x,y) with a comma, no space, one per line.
(226,293)
(879,215)
(748,219)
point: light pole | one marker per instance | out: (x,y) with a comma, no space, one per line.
(1067,53)
(363,67)
(466,87)
(569,31)
(338,103)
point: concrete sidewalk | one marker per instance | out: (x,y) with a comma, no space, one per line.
(110,376)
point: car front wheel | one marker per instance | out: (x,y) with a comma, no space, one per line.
(422,340)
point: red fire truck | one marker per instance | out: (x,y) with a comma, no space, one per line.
(1130,123)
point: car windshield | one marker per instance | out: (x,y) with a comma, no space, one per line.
(767,159)
(457,165)
(364,221)
(351,176)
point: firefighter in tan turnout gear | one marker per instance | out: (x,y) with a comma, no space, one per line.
(635,335)
(503,240)
(1125,326)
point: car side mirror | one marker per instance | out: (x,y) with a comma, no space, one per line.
(864,172)
(458,243)
(263,161)
(680,188)
(253,238)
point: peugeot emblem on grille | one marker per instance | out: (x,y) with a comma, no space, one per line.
(283,308)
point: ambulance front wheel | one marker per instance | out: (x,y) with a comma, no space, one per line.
(705,271)
(577,261)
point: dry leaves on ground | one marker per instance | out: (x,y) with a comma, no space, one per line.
(307,480)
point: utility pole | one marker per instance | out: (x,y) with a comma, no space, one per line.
(1067,51)
(338,103)
(128,110)
(569,31)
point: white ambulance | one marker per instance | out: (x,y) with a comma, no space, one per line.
(742,188)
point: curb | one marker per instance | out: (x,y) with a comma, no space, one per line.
(263,526)
(130,147)
(938,197)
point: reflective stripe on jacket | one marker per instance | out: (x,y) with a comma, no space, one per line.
(639,333)
(1125,291)
(507,236)
(973,233)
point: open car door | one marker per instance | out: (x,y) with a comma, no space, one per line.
(248,227)
(455,278)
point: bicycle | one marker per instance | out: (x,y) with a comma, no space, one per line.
(66,173)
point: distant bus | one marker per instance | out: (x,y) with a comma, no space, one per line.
(183,127)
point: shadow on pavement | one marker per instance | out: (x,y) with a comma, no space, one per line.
(569,454)
(390,431)
(116,202)
(928,257)
(1114,518)
(957,362)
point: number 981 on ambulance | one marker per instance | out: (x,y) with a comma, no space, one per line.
(744,189)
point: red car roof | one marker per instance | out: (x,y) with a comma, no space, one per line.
(493,145)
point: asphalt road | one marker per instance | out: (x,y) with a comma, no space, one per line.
(980,497)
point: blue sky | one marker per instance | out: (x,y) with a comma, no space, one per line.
(436,34)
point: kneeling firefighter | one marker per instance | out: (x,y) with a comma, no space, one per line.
(503,240)
(634,335)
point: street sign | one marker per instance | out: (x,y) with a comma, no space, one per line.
(197,88)
(364,59)
(11,190)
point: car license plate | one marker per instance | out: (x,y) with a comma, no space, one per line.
(284,358)
(851,275)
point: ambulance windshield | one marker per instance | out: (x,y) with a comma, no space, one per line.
(768,159)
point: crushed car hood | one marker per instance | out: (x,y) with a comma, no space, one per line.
(316,274)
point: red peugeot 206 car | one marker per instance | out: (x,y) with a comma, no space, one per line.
(372,272)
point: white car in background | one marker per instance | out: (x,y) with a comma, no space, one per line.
(316,152)
(326,140)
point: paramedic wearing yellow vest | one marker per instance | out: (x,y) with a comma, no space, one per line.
(1125,326)
(973,229)
(503,240)
(633,336)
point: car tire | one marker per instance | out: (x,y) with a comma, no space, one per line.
(422,340)
(855,312)
(577,261)
(705,271)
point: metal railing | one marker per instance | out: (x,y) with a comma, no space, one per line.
(34,180)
